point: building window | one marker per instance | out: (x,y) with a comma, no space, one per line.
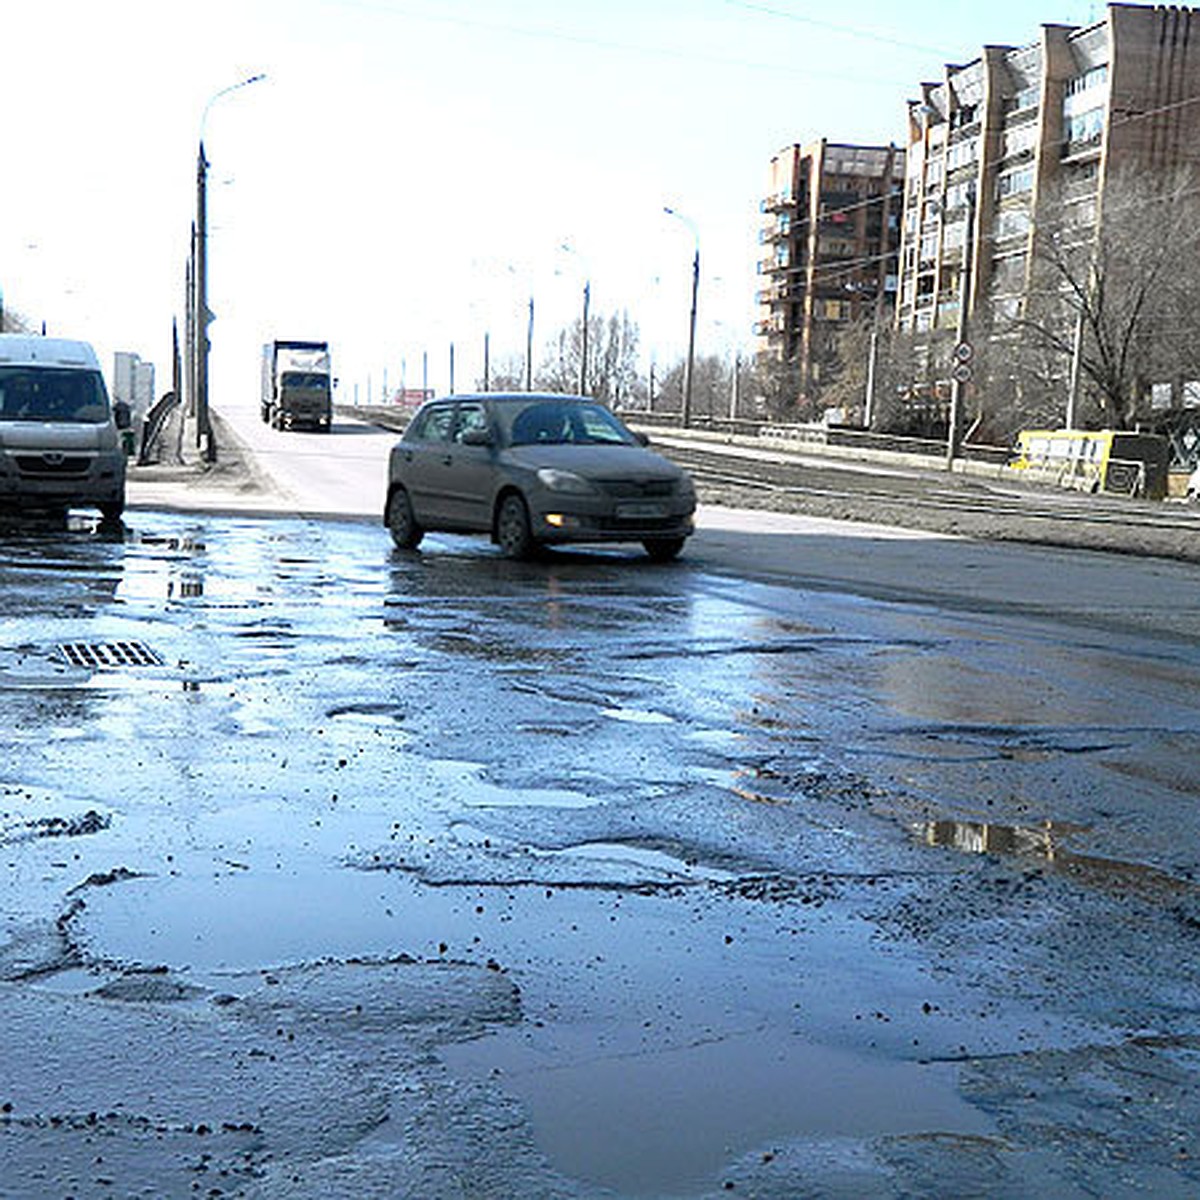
(962,153)
(1012,222)
(1085,128)
(1024,100)
(1014,183)
(1096,77)
(1017,141)
(955,236)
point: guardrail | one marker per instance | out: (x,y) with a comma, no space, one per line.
(802,436)
(153,425)
(817,436)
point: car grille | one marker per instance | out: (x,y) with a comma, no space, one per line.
(637,489)
(51,464)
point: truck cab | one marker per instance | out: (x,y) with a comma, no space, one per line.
(297,388)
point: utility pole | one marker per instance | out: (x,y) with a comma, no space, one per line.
(529,349)
(962,350)
(204,441)
(583,346)
(487,363)
(691,354)
(202,316)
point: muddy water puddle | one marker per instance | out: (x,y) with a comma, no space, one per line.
(654,1122)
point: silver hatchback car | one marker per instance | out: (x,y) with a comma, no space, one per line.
(531,470)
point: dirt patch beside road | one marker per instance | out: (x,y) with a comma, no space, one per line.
(1106,534)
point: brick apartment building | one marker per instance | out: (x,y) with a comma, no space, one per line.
(831,231)
(1029,135)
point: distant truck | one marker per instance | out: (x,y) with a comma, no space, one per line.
(297,388)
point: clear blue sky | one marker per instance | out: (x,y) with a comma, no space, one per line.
(410,170)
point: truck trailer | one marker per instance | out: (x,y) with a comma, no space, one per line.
(297,388)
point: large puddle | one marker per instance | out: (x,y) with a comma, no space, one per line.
(647,1123)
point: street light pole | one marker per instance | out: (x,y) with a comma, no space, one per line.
(202,316)
(529,349)
(583,349)
(691,353)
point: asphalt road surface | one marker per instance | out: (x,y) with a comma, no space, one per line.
(830,860)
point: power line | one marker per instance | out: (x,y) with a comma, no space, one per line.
(598,43)
(865,35)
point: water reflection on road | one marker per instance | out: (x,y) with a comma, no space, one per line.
(708,831)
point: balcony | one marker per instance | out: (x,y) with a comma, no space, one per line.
(1083,149)
(777,202)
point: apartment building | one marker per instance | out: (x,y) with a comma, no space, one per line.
(1024,136)
(831,233)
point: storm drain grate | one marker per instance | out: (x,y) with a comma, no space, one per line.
(93,655)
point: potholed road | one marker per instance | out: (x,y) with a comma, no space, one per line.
(809,865)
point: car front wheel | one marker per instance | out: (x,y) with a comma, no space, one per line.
(406,533)
(663,549)
(512,528)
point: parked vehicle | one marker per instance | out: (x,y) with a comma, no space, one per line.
(532,470)
(60,437)
(297,387)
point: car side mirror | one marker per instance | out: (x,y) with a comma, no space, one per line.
(642,438)
(121,415)
(477,437)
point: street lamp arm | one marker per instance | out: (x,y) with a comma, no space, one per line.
(233,87)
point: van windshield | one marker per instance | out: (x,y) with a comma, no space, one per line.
(52,394)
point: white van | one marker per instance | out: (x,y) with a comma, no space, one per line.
(60,441)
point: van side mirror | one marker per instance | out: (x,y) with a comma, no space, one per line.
(122,415)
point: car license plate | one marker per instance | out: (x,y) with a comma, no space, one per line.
(640,510)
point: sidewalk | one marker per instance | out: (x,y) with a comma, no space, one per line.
(183,481)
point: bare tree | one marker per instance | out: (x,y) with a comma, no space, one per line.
(12,321)
(612,359)
(508,375)
(1117,299)
(776,387)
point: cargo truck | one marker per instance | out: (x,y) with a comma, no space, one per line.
(297,389)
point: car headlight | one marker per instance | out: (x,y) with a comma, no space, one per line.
(686,487)
(565,481)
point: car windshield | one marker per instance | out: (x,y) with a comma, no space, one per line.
(552,422)
(52,394)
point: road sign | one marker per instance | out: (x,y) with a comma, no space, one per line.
(961,373)
(964,352)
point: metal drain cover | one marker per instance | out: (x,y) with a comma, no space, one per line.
(97,655)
